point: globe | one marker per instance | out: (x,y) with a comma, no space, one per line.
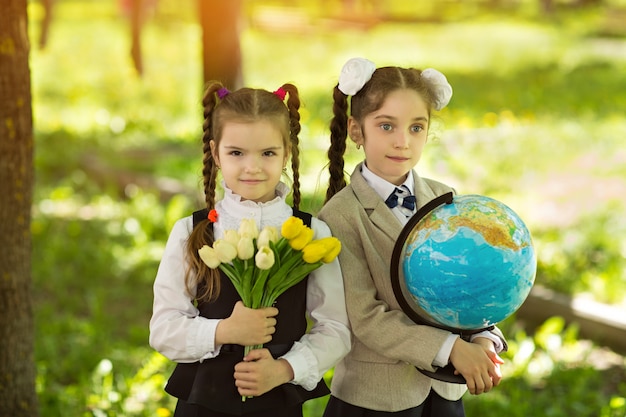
(463,263)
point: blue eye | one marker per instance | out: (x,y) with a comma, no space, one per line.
(386,127)
(416,128)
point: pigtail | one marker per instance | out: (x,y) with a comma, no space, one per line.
(204,280)
(337,149)
(293,104)
(210,169)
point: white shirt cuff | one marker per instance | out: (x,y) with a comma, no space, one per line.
(304,366)
(201,341)
(497,342)
(443,356)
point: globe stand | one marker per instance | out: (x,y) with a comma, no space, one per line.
(445,373)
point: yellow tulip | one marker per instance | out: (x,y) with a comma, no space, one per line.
(245,248)
(304,238)
(231,236)
(224,250)
(264,258)
(209,257)
(334,245)
(291,227)
(314,251)
(248,228)
(267,235)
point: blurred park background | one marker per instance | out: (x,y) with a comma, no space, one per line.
(537,120)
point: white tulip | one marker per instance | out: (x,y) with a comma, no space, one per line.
(209,257)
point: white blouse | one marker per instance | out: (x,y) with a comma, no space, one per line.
(178,331)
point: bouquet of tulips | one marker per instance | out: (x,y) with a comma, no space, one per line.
(262,265)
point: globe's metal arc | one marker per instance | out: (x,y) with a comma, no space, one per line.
(404,297)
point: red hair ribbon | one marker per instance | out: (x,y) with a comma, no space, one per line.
(281,93)
(212,216)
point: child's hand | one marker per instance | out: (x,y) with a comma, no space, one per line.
(491,351)
(260,372)
(473,361)
(247,326)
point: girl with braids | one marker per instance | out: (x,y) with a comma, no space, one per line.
(390,110)
(198,318)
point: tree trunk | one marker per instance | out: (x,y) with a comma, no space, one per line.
(221,52)
(45,23)
(136,22)
(17,366)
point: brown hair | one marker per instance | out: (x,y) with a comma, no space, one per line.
(243,105)
(367,100)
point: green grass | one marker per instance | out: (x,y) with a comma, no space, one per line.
(536,120)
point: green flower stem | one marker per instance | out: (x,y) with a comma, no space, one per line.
(246,283)
(258,289)
(282,272)
(283,250)
(234,277)
(293,277)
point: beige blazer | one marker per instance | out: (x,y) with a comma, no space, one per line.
(379,372)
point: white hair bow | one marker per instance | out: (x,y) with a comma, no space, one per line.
(358,71)
(354,74)
(439,87)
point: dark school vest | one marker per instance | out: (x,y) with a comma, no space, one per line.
(211,383)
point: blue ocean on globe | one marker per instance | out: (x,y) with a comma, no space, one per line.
(469,264)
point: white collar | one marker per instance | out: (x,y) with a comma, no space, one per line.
(383,187)
(231,210)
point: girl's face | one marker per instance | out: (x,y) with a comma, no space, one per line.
(393,136)
(252,157)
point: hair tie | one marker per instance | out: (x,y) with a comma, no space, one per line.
(212,216)
(222,92)
(281,93)
(354,74)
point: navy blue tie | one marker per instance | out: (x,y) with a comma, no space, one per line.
(407,202)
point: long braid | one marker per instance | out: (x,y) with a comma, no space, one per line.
(210,170)
(201,278)
(337,149)
(293,104)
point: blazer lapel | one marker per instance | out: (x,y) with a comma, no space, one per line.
(378,212)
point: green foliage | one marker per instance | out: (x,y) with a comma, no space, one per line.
(587,258)
(94,266)
(536,119)
(549,374)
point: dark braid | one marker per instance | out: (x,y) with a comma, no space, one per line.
(293,104)
(337,149)
(204,279)
(209,171)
